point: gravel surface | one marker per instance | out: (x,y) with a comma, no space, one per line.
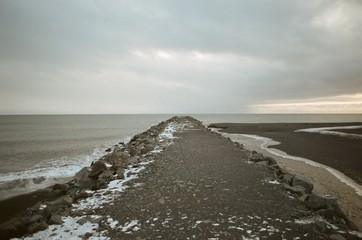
(203,187)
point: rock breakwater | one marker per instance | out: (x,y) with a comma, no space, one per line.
(124,160)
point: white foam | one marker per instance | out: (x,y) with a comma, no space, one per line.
(328,131)
(52,170)
(265,143)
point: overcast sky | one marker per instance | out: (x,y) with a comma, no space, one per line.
(189,56)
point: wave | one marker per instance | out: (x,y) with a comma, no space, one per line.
(49,172)
(328,131)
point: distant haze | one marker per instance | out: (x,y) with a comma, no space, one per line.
(189,56)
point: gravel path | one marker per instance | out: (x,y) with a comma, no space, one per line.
(203,187)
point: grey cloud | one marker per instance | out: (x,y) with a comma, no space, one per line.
(78,54)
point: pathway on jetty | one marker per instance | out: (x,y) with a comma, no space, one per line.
(203,187)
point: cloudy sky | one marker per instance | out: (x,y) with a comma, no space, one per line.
(189,56)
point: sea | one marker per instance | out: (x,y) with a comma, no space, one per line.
(39,150)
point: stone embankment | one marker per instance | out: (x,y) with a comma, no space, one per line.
(199,148)
(111,166)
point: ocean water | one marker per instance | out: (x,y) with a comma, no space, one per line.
(37,151)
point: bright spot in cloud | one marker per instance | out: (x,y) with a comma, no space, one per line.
(338,104)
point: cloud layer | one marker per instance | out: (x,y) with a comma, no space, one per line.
(180,56)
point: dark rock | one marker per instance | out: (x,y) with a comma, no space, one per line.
(35,218)
(298,190)
(55,219)
(288,178)
(97,168)
(60,186)
(12,228)
(108,149)
(299,181)
(83,173)
(270,160)
(38,180)
(304,197)
(87,183)
(275,168)
(337,237)
(35,227)
(107,174)
(65,200)
(316,202)
(262,163)
(81,195)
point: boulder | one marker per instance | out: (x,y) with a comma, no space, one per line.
(297,190)
(270,160)
(60,186)
(55,219)
(12,228)
(316,202)
(83,173)
(97,168)
(288,178)
(107,174)
(65,200)
(87,183)
(34,218)
(35,227)
(262,163)
(299,181)
(38,180)
(120,173)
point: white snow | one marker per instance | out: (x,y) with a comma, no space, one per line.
(132,225)
(70,230)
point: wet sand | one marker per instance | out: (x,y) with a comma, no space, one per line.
(341,153)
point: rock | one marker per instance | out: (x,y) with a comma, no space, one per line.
(87,183)
(162,200)
(107,174)
(316,202)
(35,227)
(288,178)
(270,160)
(120,172)
(83,173)
(298,190)
(81,194)
(65,200)
(97,168)
(35,218)
(60,186)
(304,197)
(55,219)
(275,168)
(262,163)
(12,228)
(299,181)
(38,180)
(108,150)
(337,237)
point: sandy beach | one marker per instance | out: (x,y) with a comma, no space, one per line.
(341,153)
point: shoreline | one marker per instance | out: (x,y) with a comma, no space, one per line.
(324,177)
(98,184)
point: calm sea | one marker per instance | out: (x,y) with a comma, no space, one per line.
(55,147)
